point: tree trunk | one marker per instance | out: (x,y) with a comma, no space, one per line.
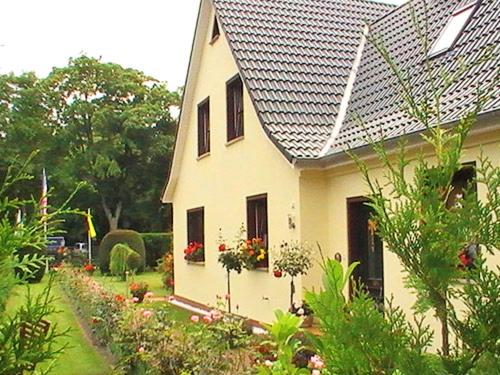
(113,218)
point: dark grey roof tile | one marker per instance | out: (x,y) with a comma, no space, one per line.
(295,57)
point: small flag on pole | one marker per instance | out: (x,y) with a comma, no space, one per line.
(44,199)
(90,225)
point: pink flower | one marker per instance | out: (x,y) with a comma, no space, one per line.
(135,299)
(140,349)
(216,314)
(316,362)
(195,318)
(147,313)
(315,372)
(149,295)
(207,319)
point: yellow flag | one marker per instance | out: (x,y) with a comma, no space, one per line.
(90,226)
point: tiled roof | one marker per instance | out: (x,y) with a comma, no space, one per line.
(375,97)
(295,57)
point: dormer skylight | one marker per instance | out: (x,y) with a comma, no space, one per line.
(450,34)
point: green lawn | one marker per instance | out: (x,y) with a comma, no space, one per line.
(81,358)
(153,279)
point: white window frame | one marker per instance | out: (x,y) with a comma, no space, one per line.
(453,29)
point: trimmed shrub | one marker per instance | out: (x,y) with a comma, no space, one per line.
(157,245)
(123,259)
(124,236)
(36,272)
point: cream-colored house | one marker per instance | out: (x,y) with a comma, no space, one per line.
(270,99)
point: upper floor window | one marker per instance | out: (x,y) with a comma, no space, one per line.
(215,31)
(234,108)
(453,29)
(195,251)
(204,127)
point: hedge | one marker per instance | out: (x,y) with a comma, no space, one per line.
(123,259)
(157,244)
(129,237)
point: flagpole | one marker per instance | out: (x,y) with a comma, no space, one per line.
(89,238)
(45,200)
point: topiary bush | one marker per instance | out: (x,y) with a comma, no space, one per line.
(36,271)
(123,259)
(121,236)
(157,245)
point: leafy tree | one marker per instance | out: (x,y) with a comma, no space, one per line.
(430,227)
(117,129)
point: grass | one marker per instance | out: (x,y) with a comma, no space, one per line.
(81,357)
(153,279)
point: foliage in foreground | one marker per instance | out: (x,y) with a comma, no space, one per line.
(357,339)
(19,351)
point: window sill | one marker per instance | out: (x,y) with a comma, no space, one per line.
(235,140)
(206,154)
(214,39)
(193,263)
(261,269)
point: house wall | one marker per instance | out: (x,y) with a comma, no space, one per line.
(329,190)
(220,182)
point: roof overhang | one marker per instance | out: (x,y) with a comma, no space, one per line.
(490,121)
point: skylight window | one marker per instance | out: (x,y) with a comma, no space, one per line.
(453,29)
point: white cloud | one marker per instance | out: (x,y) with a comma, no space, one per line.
(154,36)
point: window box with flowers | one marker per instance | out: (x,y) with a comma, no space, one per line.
(255,255)
(194,253)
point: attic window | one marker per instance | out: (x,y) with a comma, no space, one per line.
(450,34)
(215,31)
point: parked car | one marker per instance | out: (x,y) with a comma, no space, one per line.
(55,244)
(81,247)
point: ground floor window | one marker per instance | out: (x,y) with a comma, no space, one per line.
(195,250)
(257,229)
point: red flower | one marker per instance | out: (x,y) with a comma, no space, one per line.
(464,259)
(119,298)
(251,253)
(171,282)
(222,247)
(278,273)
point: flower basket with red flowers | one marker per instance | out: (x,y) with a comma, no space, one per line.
(89,268)
(195,252)
(254,254)
(138,291)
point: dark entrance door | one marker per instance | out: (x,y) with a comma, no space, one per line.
(365,247)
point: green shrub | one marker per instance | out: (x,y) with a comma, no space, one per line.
(157,245)
(128,237)
(123,259)
(36,270)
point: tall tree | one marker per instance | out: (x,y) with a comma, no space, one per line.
(115,124)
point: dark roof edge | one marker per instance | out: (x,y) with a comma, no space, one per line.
(290,158)
(341,157)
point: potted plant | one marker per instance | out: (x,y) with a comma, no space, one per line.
(231,258)
(293,259)
(138,291)
(195,252)
(302,310)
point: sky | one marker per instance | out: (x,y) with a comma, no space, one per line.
(153,36)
